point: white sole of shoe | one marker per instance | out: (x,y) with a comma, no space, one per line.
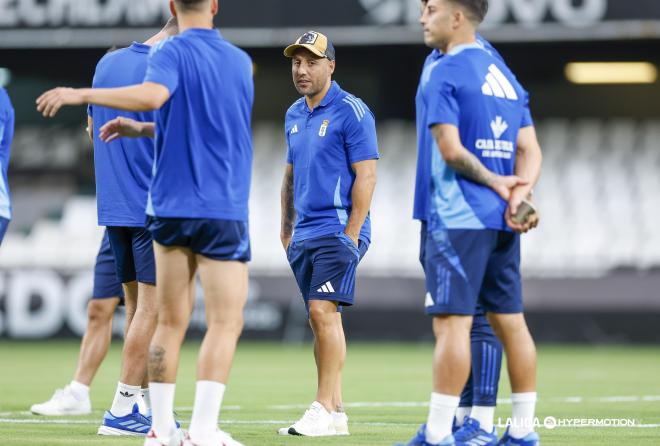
(283,431)
(114,432)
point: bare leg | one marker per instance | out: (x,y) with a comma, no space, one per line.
(520,350)
(225,293)
(337,400)
(96,341)
(138,336)
(175,270)
(330,349)
(451,359)
(130,303)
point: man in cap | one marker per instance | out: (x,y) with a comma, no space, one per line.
(326,194)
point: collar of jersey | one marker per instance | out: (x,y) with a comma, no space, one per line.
(203,32)
(140,47)
(467,46)
(327,100)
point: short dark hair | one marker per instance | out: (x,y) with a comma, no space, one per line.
(190,5)
(476,9)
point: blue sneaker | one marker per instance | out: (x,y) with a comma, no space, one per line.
(471,430)
(531,439)
(420,439)
(133,424)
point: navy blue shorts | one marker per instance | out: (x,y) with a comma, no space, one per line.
(481,329)
(134,254)
(215,239)
(465,268)
(106,283)
(4,224)
(325,267)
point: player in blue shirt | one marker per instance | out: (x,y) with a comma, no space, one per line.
(479,396)
(202,89)
(485,160)
(6,137)
(123,175)
(326,195)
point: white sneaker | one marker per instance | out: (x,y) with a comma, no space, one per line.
(177,437)
(317,422)
(63,402)
(218,438)
(340,421)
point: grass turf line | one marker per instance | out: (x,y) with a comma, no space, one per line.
(271,374)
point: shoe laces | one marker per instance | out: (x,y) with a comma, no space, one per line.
(61,393)
(312,414)
(469,429)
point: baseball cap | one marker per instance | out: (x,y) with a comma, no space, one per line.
(315,42)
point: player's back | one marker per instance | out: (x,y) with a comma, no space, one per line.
(476,91)
(6,136)
(203,132)
(123,167)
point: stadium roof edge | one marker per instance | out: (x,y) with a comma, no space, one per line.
(347,35)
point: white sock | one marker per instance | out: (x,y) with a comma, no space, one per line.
(146,398)
(162,409)
(125,397)
(522,419)
(461,413)
(206,411)
(484,415)
(441,415)
(79,390)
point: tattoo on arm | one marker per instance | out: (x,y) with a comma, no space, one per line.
(471,168)
(460,159)
(157,364)
(288,210)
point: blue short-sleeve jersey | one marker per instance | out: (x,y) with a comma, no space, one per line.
(6,137)
(322,146)
(203,158)
(475,91)
(425,143)
(123,166)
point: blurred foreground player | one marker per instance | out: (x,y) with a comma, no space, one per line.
(479,398)
(74,399)
(197,205)
(485,163)
(326,195)
(6,137)
(123,176)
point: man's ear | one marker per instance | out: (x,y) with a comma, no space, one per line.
(172,8)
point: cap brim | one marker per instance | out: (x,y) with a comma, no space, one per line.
(289,50)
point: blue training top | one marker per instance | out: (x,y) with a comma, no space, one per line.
(322,145)
(203,161)
(123,166)
(475,91)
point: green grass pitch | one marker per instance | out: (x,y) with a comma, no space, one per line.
(386,386)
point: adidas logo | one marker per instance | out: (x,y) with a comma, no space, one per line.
(126,394)
(498,85)
(326,288)
(294,130)
(428,302)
